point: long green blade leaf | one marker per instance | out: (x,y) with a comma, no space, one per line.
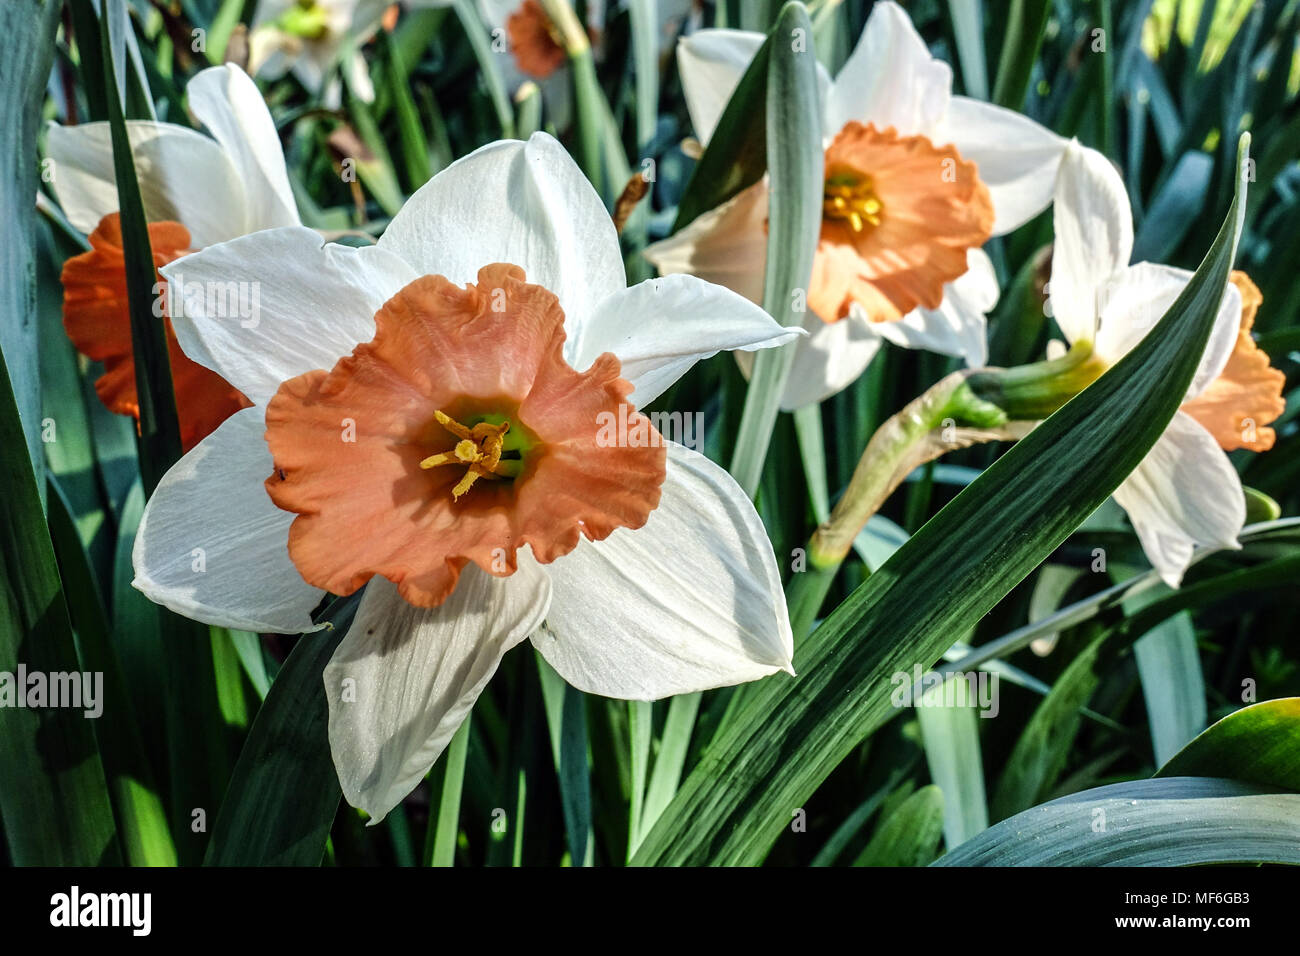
(284,792)
(1181,821)
(60,814)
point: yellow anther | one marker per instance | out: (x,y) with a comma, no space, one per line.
(851,197)
(449,423)
(479,447)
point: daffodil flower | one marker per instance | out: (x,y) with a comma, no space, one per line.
(197,191)
(421,426)
(1185,493)
(916,181)
(310,38)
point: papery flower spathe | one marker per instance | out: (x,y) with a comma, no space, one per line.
(1185,493)
(196,191)
(916,181)
(432,406)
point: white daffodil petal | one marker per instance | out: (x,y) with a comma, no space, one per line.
(1185,493)
(404,678)
(890,79)
(711,63)
(1135,299)
(266,307)
(826,361)
(661,327)
(1017,158)
(958,327)
(1094,238)
(211,544)
(726,245)
(690,601)
(184,177)
(228,103)
(522,203)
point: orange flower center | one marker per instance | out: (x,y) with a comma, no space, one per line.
(458,434)
(1247,395)
(898,215)
(534,40)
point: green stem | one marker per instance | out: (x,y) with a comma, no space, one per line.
(894,450)
(446,823)
(1034,391)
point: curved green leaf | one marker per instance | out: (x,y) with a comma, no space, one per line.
(795,168)
(1259,744)
(910,835)
(284,792)
(1181,821)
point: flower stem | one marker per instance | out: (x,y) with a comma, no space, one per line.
(948,415)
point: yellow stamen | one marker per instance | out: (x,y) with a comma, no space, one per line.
(479,448)
(850,196)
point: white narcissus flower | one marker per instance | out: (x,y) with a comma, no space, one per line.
(420,422)
(312,37)
(916,181)
(196,190)
(1185,493)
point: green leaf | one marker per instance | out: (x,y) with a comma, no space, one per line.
(794,731)
(159,425)
(415,146)
(1026,20)
(910,835)
(1169,666)
(1043,747)
(968,29)
(796,167)
(284,793)
(567,720)
(488,62)
(812,451)
(445,823)
(645,59)
(846,832)
(27,49)
(952,751)
(640,716)
(139,810)
(1181,821)
(1177,206)
(1089,607)
(376,168)
(59,814)
(673,748)
(736,156)
(1257,744)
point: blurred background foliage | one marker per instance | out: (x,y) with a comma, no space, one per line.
(543,774)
